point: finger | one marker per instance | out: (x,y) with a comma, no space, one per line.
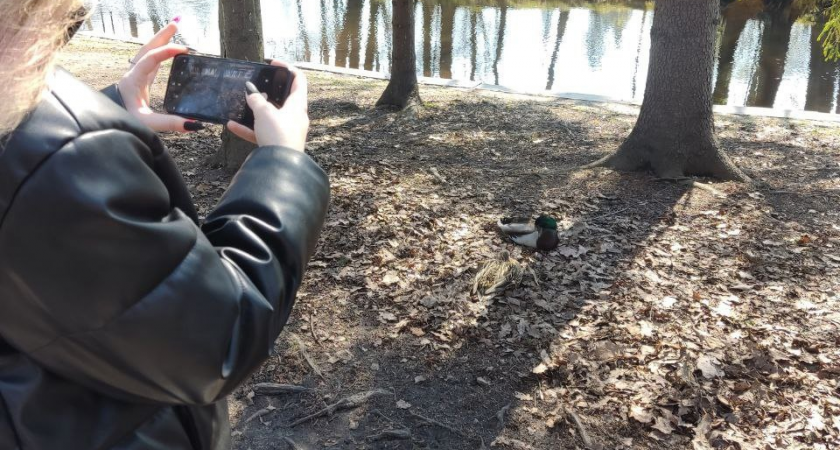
(163,37)
(256,101)
(298,94)
(151,61)
(242,131)
(165,122)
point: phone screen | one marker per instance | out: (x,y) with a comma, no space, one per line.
(213,89)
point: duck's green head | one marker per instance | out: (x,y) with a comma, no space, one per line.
(546,222)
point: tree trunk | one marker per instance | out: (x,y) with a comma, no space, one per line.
(402,89)
(500,39)
(240,26)
(325,47)
(473,44)
(447,31)
(820,77)
(778,23)
(157,24)
(347,50)
(370,49)
(561,32)
(428,12)
(733,26)
(307,52)
(674,135)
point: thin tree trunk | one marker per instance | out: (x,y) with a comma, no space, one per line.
(402,89)
(307,52)
(500,40)
(473,44)
(428,13)
(674,135)
(639,52)
(447,30)
(325,45)
(561,31)
(241,36)
(132,24)
(157,24)
(370,48)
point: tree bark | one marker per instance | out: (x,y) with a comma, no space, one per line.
(240,26)
(402,89)
(674,135)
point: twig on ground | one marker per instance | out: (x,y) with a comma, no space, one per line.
(587,441)
(292,444)
(515,443)
(435,422)
(536,280)
(353,401)
(312,330)
(500,416)
(305,354)
(437,175)
(278,389)
(390,420)
(260,413)
(390,434)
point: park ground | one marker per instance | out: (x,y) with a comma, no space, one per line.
(670,317)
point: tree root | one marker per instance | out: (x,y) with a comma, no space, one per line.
(351,402)
(292,444)
(435,422)
(278,389)
(390,434)
(690,182)
(603,162)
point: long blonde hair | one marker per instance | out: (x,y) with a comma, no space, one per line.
(30,33)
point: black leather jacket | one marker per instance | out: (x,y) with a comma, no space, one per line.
(123,325)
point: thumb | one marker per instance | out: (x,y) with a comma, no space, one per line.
(254,98)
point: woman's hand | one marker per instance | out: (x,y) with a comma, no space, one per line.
(135,85)
(286,126)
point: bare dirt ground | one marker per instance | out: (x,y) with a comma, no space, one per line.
(669,317)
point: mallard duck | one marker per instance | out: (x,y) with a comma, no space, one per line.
(496,276)
(540,234)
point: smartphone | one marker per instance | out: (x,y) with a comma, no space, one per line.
(212,89)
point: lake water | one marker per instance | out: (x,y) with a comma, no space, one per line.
(765,58)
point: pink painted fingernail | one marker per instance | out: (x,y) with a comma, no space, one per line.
(177,19)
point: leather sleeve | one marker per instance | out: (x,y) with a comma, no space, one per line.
(113,289)
(113,93)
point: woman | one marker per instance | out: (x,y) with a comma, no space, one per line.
(123,325)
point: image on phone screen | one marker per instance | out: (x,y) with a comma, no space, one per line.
(213,89)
